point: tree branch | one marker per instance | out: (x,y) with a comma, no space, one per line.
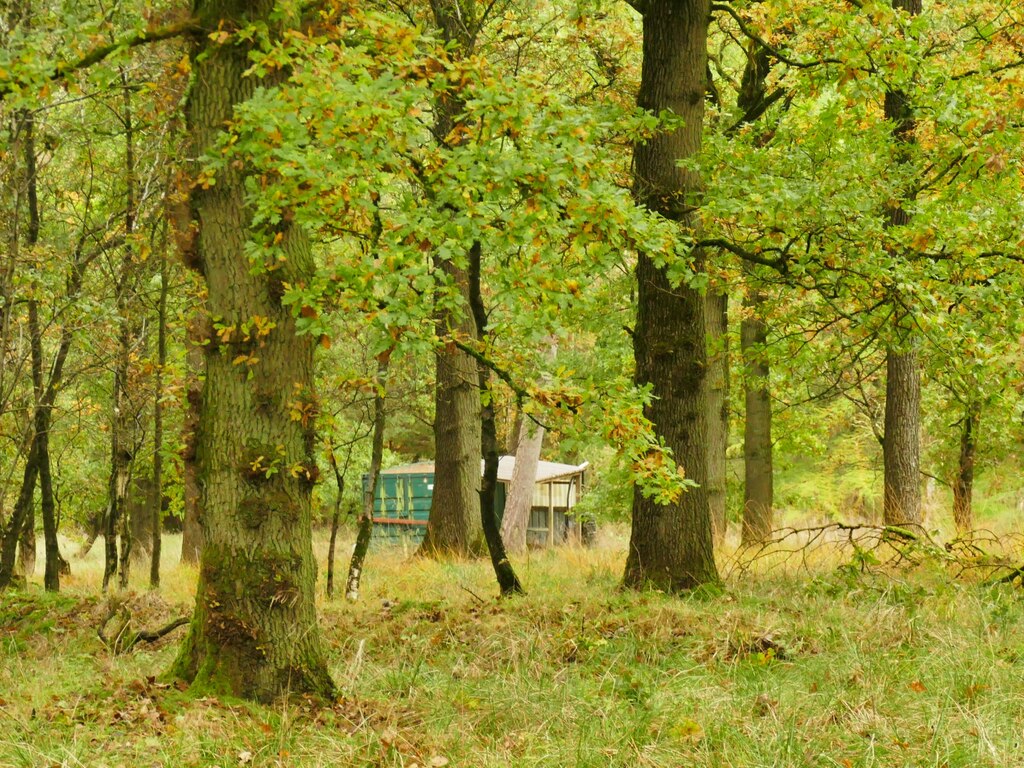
(775,52)
(98,54)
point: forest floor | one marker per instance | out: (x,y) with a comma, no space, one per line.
(835,667)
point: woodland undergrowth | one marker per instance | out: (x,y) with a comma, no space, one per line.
(844,658)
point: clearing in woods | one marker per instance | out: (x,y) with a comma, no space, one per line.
(841,668)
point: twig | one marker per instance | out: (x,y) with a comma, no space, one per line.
(474,594)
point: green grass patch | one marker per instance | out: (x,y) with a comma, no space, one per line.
(835,670)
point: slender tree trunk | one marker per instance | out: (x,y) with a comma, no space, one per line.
(339,478)
(16,522)
(671,546)
(717,382)
(901,446)
(758,481)
(121,453)
(453,526)
(254,632)
(27,543)
(963,484)
(38,456)
(51,576)
(524,482)
(40,420)
(758,486)
(355,568)
(508,582)
(158,426)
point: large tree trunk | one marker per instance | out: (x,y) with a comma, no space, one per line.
(901,446)
(254,632)
(717,383)
(524,482)
(671,546)
(758,486)
(454,526)
(192,529)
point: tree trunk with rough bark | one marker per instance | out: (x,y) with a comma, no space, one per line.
(901,446)
(192,529)
(758,485)
(717,382)
(254,632)
(453,527)
(671,546)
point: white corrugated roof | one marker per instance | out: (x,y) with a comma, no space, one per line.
(546,470)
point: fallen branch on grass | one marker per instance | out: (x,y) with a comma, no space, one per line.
(123,639)
(866,548)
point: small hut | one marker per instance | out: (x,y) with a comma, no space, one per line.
(401,505)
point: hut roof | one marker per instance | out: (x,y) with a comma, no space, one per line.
(546,470)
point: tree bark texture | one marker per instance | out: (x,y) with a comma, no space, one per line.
(254,632)
(453,527)
(758,485)
(901,446)
(524,481)
(671,546)
(717,382)
(192,529)
(963,483)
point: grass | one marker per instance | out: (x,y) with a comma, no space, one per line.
(908,669)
